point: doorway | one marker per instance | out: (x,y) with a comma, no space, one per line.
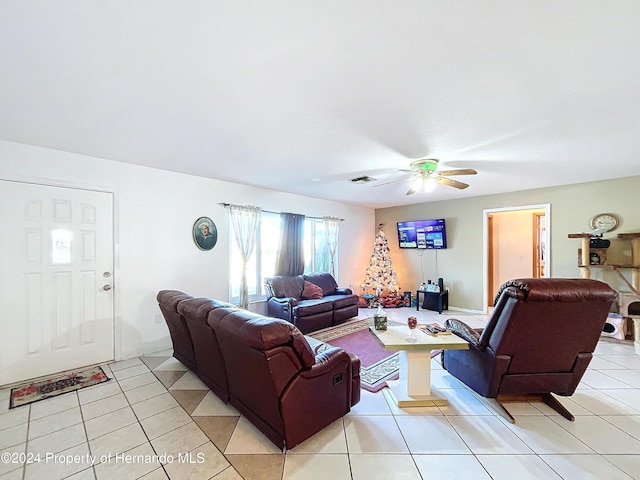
(516,245)
(57,279)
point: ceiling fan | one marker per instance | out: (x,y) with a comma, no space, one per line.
(426,175)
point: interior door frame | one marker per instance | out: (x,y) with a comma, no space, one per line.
(49,182)
(486,243)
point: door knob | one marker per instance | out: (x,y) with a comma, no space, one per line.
(106,288)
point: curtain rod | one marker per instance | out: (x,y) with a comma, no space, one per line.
(222,204)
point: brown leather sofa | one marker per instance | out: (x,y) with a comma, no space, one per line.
(539,340)
(265,367)
(285,300)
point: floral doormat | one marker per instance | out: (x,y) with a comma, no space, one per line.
(57,385)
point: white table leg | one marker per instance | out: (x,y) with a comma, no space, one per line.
(413,388)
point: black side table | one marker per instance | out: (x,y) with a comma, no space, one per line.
(436,301)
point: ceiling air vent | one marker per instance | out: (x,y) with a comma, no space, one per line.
(363,179)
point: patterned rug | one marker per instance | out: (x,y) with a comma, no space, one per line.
(376,364)
(57,385)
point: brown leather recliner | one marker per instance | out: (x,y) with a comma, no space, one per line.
(168,301)
(539,340)
(276,380)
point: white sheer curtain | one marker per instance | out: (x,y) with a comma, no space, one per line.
(245,220)
(331,228)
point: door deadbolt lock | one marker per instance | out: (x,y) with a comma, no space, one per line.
(106,288)
(106,274)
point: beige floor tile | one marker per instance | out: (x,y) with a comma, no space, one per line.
(544,436)
(51,423)
(463,402)
(96,427)
(164,422)
(154,361)
(374,434)
(86,474)
(189,381)
(601,403)
(169,377)
(157,474)
(247,439)
(488,435)
(104,406)
(14,462)
(584,467)
(66,463)
(13,436)
(137,381)
(522,467)
(383,467)
(118,441)
(129,372)
(132,464)
(316,467)
(181,440)
(200,463)
(443,438)
(370,404)
(123,364)
(211,405)
(171,364)
(600,435)
(218,429)
(14,417)
(58,441)
(255,467)
(626,423)
(597,379)
(450,467)
(630,377)
(53,405)
(14,475)
(330,439)
(98,392)
(136,395)
(189,399)
(630,464)
(154,405)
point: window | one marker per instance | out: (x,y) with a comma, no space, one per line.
(262,262)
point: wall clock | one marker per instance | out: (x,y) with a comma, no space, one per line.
(607,221)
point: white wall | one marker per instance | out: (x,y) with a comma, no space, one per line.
(154,215)
(461,264)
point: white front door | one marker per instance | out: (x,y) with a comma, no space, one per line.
(56,279)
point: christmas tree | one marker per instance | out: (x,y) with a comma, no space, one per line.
(380,276)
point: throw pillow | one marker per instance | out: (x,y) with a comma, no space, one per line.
(311,291)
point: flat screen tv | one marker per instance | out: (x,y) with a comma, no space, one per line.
(422,234)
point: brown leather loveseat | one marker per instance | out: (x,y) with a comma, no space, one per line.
(286,299)
(264,367)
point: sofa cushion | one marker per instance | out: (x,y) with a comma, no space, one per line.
(283,286)
(342,301)
(311,307)
(324,280)
(311,291)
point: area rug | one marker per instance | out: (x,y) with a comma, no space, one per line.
(376,364)
(57,385)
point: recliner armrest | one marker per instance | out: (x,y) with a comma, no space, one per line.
(326,361)
(284,301)
(464,331)
(343,291)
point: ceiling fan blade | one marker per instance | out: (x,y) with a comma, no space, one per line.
(452,183)
(461,171)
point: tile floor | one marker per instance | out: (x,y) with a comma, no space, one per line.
(154,409)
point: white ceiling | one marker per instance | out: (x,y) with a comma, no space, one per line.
(300,96)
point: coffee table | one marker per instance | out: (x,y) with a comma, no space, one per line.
(413,389)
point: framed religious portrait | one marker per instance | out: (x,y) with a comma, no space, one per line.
(205,233)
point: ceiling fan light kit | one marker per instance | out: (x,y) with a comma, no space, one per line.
(426,175)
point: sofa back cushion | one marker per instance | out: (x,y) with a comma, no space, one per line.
(325,281)
(284,286)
